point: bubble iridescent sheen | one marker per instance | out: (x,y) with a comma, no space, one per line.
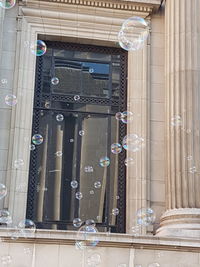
(133,34)
(116,148)
(59,117)
(86,237)
(145,216)
(77,97)
(115,211)
(133,142)
(118,116)
(11,100)
(79,195)
(18,163)
(97,184)
(54,80)
(7,4)
(77,222)
(39,48)
(37,139)
(129,161)
(27,226)
(3,191)
(74,184)
(94,260)
(5,217)
(104,162)
(126,117)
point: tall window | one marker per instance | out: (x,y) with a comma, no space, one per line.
(75,115)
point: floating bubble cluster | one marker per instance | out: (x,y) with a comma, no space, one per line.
(54,81)
(37,139)
(145,216)
(11,100)
(3,191)
(86,237)
(59,117)
(133,34)
(7,4)
(116,148)
(39,48)
(133,142)
(104,162)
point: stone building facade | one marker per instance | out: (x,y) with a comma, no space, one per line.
(163,84)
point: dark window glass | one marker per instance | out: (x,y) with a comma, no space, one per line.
(73,145)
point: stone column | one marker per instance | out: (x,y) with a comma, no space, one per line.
(182,73)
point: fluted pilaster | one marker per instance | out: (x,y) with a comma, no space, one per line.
(182,72)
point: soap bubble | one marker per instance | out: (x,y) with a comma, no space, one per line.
(39,48)
(54,81)
(59,117)
(145,216)
(118,116)
(58,154)
(88,169)
(104,162)
(81,133)
(91,70)
(7,4)
(6,259)
(133,34)
(71,140)
(32,147)
(115,211)
(77,97)
(37,139)
(133,142)
(136,230)
(126,116)
(74,184)
(90,222)
(27,227)
(94,260)
(77,222)
(192,169)
(155,264)
(79,195)
(5,217)
(11,100)
(86,237)
(4,81)
(27,251)
(176,121)
(18,163)
(116,148)
(3,191)
(91,192)
(97,184)
(129,161)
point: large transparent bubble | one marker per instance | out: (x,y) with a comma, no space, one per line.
(133,34)
(145,216)
(7,4)
(27,227)
(86,237)
(39,48)
(133,142)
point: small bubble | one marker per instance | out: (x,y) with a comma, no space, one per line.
(192,169)
(115,211)
(59,117)
(97,184)
(118,116)
(79,195)
(88,169)
(11,100)
(32,147)
(58,154)
(71,140)
(81,133)
(176,121)
(76,97)
(104,162)
(189,157)
(18,163)
(54,81)
(74,184)
(116,148)
(91,70)
(4,81)
(91,192)
(27,251)
(129,161)
(37,139)
(77,222)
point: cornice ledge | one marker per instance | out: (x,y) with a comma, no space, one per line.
(127,5)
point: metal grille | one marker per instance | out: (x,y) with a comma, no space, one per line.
(39,100)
